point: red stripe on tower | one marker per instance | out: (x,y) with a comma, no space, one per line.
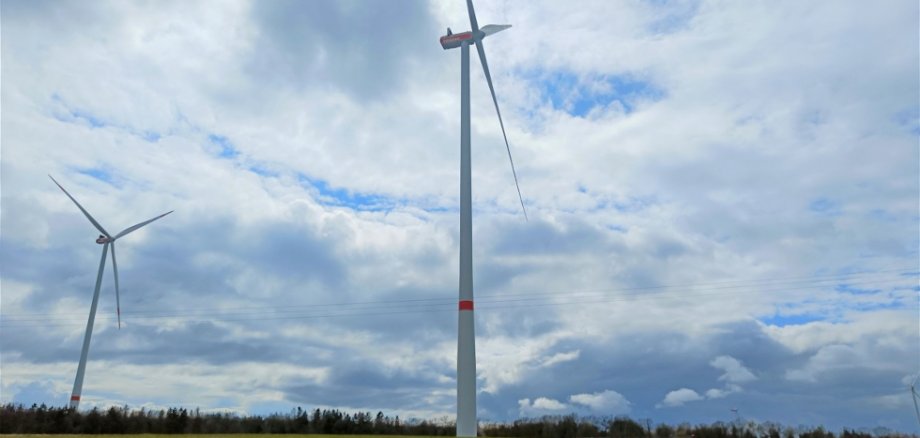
(75,398)
(466,304)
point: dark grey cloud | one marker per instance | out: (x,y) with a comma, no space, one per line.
(164,279)
(222,250)
(571,235)
(148,343)
(362,48)
(400,314)
(292,253)
(64,16)
(168,264)
(361,384)
(645,367)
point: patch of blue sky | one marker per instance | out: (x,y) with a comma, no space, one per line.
(882,305)
(815,117)
(440,209)
(69,114)
(74,115)
(340,197)
(909,118)
(579,95)
(782,320)
(151,136)
(88,118)
(601,203)
(270,407)
(825,206)
(630,204)
(882,215)
(672,16)
(225,147)
(34,392)
(99,174)
(633,204)
(261,170)
(846,288)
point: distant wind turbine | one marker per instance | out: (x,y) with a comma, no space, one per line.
(466,341)
(105,240)
(914,395)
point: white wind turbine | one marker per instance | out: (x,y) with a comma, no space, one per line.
(914,395)
(105,240)
(466,341)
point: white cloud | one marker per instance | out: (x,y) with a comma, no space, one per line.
(858,328)
(720,393)
(505,360)
(540,406)
(836,349)
(608,402)
(735,372)
(548,404)
(899,400)
(679,397)
(560,358)
(825,360)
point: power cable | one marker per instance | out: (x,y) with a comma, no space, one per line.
(482,298)
(447,306)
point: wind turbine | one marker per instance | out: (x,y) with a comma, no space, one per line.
(105,239)
(466,340)
(914,395)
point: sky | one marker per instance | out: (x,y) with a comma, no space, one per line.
(723,202)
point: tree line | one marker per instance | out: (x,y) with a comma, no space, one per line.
(42,419)
(571,426)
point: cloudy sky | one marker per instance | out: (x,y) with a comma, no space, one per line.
(722,200)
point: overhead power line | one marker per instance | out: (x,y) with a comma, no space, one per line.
(864,277)
(485,302)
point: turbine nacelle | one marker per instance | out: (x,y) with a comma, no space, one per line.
(103,239)
(454,40)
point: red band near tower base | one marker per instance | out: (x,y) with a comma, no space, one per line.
(466,304)
(75,398)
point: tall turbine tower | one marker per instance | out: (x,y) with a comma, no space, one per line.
(105,240)
(466,340)
(913,393)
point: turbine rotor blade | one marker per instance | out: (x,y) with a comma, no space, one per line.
(85,213)
(473,23)
(491,29)
(133,228)
(485,69)
(117,295)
